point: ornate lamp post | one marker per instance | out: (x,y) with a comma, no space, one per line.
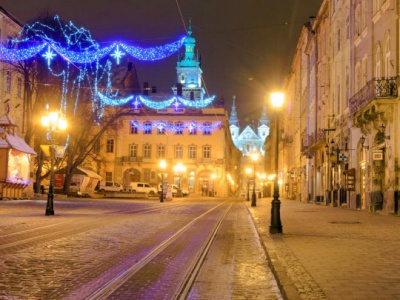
(179,169)
(54,122)
(163,165)
(248,171)
(254,158)
(276,225)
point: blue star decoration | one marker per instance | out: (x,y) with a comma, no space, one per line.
(49,55)
(117,54)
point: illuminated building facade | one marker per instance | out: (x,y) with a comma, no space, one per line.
(186,128)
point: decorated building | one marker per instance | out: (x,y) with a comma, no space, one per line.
(250,140)
(185,128)
(15,160)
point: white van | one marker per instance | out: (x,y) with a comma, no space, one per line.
(141,187)
(110,186)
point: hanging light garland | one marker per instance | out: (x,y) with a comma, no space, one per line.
(162,125)
(139,100)
(87,56)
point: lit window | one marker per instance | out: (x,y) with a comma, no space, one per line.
(133,150)
(192,151)
(207,128)
(178,151)
(161,151)
(134,129)
(147,151)
(179,128)
(147,128)
(110,146)
(206,151)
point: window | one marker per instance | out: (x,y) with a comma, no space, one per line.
(192,151)
(206,151)
(387,58)
(133,150)
(178,151)
(178,128)
(134,129)
(8,82)
(161,151)
(147,128)
(357,26)
(207,128)
(146,175)
(378,62)
(19,87)
(147,151)
(193,128)
(110,146)
(160,129)
(96,147)
(109,176)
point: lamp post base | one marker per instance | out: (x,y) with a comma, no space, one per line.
(253,199)
(276,225)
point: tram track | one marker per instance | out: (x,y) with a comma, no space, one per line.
(125,280)
(26,238)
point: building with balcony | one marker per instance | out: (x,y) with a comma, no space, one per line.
(344,84)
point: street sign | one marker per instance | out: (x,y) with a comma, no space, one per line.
(350,179)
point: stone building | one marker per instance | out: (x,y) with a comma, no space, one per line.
(184,128)
(343,88)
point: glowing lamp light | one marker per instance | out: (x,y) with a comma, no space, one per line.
(277,99)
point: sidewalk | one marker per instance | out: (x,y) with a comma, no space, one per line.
(330,252)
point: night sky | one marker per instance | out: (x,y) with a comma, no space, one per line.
(246,45)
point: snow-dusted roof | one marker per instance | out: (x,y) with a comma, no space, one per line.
(13,141)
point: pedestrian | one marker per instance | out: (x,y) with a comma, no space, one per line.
(168,196)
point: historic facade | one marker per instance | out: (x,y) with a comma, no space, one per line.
(185,133)
(343,106)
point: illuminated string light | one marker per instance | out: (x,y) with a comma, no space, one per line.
(88,55)
(49,55)
(117,54)
(174,101)
(161,125)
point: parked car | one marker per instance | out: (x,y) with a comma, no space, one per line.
(141,187)
(110,186)
(174,188)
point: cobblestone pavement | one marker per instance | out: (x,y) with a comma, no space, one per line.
(330,252)
(236,267)
(96,239)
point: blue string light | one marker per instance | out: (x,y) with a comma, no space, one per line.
(174,101)
(162,125)
(88,55)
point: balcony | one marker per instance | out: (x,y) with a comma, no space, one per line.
(377,88)
(315,140)
(130,159)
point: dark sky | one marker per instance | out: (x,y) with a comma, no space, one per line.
(246,45)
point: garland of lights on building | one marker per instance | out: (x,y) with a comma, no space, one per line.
(191,126)
(79,50)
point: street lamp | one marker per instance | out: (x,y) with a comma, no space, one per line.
(54,122)
(179,168)
(276,225)
(254,158)
(248,171)
(163,165)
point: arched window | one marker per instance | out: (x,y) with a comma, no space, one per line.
(387,57)
(378,60)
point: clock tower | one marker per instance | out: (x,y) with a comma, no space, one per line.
(189,72)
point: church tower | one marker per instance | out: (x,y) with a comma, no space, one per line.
(189,72)
(233,121)
(263,124)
